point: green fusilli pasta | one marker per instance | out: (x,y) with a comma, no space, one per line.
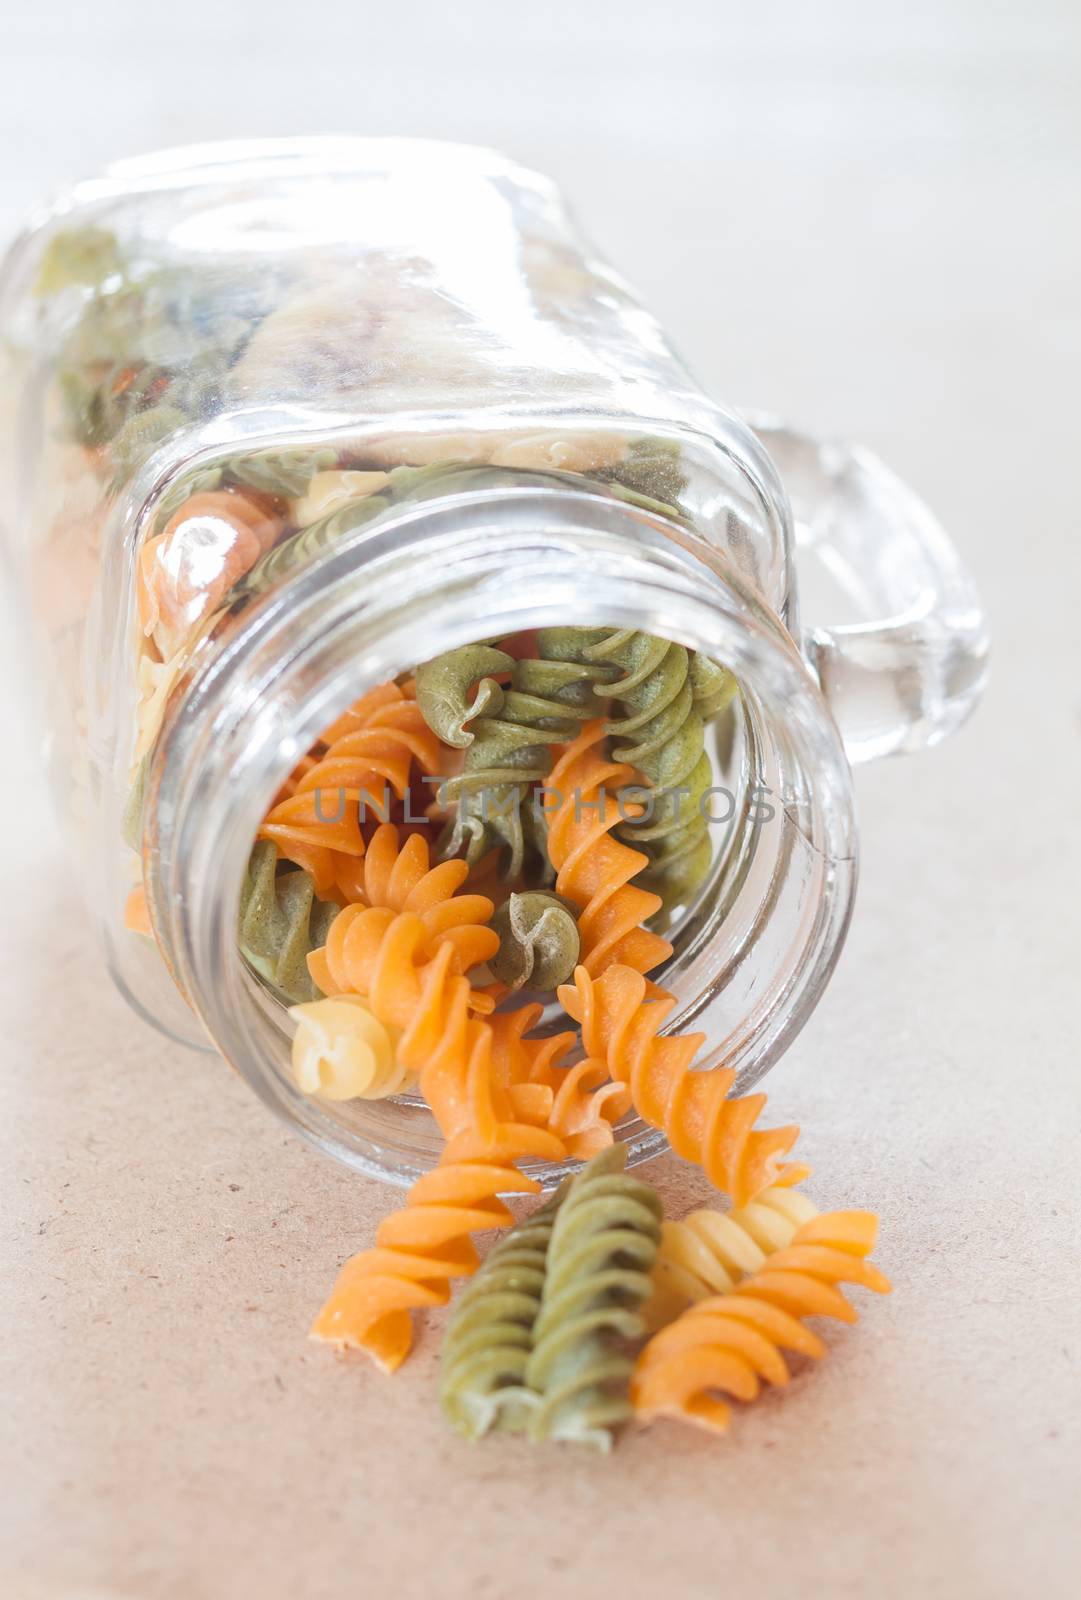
(137,408)
(415,483)
(490,1335)
(507,744)
(666,693)
(281,921)
(139,435)
(538,941)
(651,469)
(294,553)
(600,1256)
(713,688)
(288,473)
(285,473)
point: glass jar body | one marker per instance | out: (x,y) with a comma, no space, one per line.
(289,418)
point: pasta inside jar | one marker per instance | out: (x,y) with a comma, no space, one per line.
(423,653)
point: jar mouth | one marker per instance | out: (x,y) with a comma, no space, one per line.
(752,955)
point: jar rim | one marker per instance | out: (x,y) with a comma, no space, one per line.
(474,564)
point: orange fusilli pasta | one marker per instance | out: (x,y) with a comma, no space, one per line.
(421,1249)
(582,1102)
(187,571)
(620,1029)
(413,980)
(398,874)
(317,818)
(407,947)
(593,868)
(361,712)
(732,1343)
(357,716)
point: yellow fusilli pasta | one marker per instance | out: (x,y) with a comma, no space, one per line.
(710,1251)
(730,1344)
(343,1052)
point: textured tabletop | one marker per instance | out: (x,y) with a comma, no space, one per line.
(869,222)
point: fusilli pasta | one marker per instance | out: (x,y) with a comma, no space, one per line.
(360,714)
(582,1104)
(601,1252)
(285,474)
(702,1124)
(408,953)
(295,552)
(281,921)
(490,1335)
(332,491)
(712,687)
(186,571)
(341,1051)
(660,733)
(413,982)
(651,468)
(538,941)
(397,875)
(335,505)
(731,1343)
(506,734)
(593,868)
(317,819)
(709,1251)
(421,1249)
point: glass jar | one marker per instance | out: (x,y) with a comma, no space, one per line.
(443,421)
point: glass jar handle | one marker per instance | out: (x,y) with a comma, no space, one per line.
(912,666)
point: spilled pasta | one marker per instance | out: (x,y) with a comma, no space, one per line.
(437,959)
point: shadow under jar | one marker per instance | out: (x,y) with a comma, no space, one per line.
(441,421)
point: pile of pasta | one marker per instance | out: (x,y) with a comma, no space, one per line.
(414,967)
(594,1311)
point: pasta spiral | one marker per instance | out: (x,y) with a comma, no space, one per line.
(420,1250)
(316,821)
(137,436)
(187,570)
(361,713)
(582,1103)
(341,1051)
(506,746)
(713,688)
(399,876)
(183,487)
(280,923)
(731,1343)
(395,881)
(702,1124)
(593,868)
(412,979)
(601,1252)
(488,1340)
(293,553)
(538,941)
(333,505)
(651,468)
(660,733)
(710,1251)
(284,473)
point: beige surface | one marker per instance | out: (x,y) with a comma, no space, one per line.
(873,223)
